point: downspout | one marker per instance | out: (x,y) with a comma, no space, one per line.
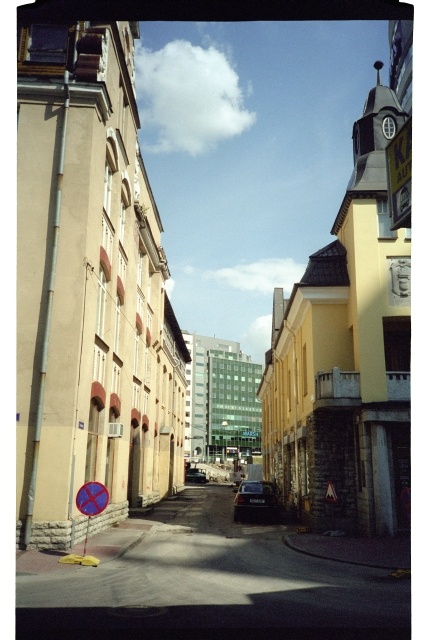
(88,267)
(49,310)
(282,424)
(296,461)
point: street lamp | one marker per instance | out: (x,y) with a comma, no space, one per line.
(224,438)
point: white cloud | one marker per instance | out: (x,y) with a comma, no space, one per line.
(169,286)
(262,276)
(256,340)
(190,96)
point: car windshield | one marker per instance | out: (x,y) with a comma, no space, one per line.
(256,487)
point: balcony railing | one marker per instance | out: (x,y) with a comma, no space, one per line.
(398,385)
(337,384)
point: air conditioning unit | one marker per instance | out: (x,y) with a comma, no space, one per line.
(116,430)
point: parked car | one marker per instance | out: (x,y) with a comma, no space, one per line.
(256,499)
(196,475)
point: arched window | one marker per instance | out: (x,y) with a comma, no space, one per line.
(101,304)
(92,440)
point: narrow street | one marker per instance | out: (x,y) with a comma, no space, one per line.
(203,571)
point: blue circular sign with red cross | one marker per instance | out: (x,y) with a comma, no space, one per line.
(92,498)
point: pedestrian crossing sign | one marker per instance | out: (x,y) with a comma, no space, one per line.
(330,493)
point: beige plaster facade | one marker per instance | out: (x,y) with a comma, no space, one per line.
(100,356)
(336,388)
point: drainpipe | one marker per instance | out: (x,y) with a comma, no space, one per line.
(88,267)
(49,310)
(296,461)
(276,422)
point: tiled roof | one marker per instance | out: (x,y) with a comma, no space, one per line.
(327,267)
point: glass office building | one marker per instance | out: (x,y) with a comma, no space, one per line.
(224,404)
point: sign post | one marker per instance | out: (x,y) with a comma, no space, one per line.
(92,499)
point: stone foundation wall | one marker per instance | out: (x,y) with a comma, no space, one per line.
(331,457)
(147,499)
(58,534)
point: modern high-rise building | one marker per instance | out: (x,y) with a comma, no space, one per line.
(226,415)
(188,339)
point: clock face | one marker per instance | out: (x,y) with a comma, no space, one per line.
(389,127)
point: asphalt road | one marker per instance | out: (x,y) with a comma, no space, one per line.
(206,575)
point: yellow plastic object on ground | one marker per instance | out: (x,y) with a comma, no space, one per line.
(88,561)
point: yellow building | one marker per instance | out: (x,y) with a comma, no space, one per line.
(336,387)
(100,355)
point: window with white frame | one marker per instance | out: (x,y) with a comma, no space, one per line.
(107,237)
(117,324)
(122,222)
(139,269)
(384,220)
(136,396)
(146,403)
(122,266)
(101,304)
(92,441)
(116,380)
(123,117)
(109,467)
(147,366)
(140,304)
(107,192)
(136,351)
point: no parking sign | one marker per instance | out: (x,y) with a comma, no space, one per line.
(92,498)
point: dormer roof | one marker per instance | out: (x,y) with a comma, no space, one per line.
(327,267)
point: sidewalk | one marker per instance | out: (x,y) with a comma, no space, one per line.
(384,553)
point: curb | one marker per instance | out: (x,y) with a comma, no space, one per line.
(289,543)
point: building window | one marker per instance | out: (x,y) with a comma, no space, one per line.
(122,266)
(384,220)
(122,222)
(139,270)
(92,441)
(47,43)
(304,371)
(110,454)
(107,237)
(101,304)
(107,191)
(117,324)
(136,348)
(389,127)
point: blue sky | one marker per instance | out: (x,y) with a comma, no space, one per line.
(246,137)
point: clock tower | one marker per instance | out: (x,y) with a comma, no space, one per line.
(381,119)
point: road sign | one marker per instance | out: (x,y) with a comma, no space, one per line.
(399,173)
(92,498)
(330,493)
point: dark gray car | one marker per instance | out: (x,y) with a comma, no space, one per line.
(256,499)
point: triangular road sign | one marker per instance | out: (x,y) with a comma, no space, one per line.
(330,493)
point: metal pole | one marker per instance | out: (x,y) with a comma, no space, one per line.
(86,535)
